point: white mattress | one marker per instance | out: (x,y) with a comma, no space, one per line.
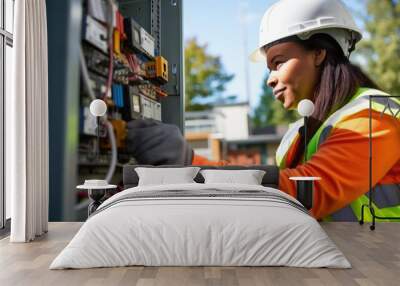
(202,231)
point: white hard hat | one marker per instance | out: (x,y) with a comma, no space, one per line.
(305,18)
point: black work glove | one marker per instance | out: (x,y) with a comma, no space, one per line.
(155,143)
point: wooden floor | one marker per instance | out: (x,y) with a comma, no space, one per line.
(375,257)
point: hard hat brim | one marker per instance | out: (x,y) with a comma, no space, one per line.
(256,56)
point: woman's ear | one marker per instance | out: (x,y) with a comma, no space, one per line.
(320,56)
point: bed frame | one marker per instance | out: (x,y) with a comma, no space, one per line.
(270,179)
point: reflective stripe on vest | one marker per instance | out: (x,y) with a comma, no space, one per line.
(288,139)
(386,197)
(359,102)
(386,202)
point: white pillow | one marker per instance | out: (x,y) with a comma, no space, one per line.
(162,176)
(248,177)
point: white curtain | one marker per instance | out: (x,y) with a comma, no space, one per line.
(27,124)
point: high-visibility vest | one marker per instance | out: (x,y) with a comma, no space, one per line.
(386,202)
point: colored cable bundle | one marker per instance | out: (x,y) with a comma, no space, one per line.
(118,95)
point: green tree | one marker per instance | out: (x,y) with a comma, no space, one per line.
(205,77)
(382,44)
(271,111)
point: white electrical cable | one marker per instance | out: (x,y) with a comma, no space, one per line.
(86,82)
(85,75)
(113,163)
(110,128)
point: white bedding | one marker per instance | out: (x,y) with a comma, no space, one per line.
(183,231)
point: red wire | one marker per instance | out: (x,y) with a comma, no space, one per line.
(131,64)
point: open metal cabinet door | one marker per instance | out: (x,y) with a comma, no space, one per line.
(172,46)
(64,29)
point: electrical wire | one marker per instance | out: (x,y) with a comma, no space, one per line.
(110,47)
(88,87)
(85,75)
(113,163)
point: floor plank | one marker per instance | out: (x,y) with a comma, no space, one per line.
(375,257)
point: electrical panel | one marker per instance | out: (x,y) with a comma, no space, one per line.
(158,69)
(126,73)
(73,129)
(95,33)
(97,9)
(138,38)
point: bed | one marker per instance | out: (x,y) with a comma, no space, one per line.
(201,224)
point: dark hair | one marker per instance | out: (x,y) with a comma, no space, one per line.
(338,81)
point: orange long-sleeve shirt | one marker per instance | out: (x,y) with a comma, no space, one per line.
(342,161)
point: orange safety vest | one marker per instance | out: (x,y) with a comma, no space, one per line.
(341,176)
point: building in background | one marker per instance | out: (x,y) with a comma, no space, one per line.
(203,133)
(224,133)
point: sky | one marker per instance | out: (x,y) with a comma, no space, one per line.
(219,24)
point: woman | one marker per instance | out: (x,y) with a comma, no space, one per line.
(306,45)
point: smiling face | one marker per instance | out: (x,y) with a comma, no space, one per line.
(294,72)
